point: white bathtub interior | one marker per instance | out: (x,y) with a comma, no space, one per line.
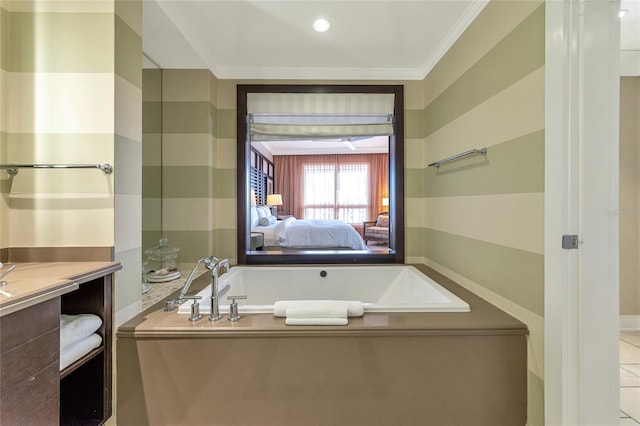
(388,288)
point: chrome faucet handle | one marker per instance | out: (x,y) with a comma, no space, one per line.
(233,308)
(2,275)
(195,308)
(172,304)
(210,262)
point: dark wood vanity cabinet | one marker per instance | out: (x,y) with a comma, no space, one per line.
(33,390)
(30,366)
(85,386)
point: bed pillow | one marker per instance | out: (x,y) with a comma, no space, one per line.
(383,221)
(255,218)
(266,221)
(266,210)
(261,212)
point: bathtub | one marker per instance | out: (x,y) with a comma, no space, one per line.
(388,288)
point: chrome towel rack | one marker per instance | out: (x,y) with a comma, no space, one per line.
(482,151)
(12,169)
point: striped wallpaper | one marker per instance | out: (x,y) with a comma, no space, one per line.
(197,191)
(71,72)
(53,76)
(186,181)
(197,196)
(128,156)
(151,158)
(4,177)
(482,218)
(61,94)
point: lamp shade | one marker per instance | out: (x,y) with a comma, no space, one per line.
(274,200)
(253,198)
(385,202)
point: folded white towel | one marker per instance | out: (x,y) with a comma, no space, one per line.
(316,321)
(313,311)
(354,308)
(79,349)
(74,328)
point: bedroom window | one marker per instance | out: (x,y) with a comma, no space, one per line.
(336,191)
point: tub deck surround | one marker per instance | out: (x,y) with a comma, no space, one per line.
(401,368)
(34,282)
(483,318)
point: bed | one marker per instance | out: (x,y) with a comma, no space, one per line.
(304,233)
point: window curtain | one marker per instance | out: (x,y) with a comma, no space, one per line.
(289,178)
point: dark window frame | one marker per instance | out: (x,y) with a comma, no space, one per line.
(396,181)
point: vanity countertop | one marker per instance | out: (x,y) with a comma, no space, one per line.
(35,282)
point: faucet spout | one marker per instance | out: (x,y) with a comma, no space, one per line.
(11,268)
(208,261)
(222,264)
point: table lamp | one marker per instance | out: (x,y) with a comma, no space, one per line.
(274,200)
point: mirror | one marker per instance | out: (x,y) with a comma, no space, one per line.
(151,153)
(263,131)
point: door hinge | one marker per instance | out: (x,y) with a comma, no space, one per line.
(570,242)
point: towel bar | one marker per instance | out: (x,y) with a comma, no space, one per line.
(482,151)
(12,169)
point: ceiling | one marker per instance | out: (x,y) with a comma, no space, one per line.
(238,39)
(368,40)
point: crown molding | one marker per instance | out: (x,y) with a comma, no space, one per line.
(458,29)
(315,73)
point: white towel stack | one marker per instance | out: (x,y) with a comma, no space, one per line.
(78,337)
(317,312)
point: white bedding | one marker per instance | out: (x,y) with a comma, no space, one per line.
(269,233)
(311,233)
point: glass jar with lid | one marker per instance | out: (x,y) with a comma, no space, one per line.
(163,262)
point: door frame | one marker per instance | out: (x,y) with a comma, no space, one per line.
(581,195)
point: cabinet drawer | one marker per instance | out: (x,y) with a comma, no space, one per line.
(33,401)
(25,361)
(20,327)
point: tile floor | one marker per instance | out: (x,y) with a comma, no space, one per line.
(630,379)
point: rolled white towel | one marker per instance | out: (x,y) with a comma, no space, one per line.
(74,352)
(354,308)
(74,328)
(316,321)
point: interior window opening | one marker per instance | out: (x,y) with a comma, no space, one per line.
(352,186)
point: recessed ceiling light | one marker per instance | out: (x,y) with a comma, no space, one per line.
(321,25)
(622,12)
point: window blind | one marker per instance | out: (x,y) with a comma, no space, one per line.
(319,115)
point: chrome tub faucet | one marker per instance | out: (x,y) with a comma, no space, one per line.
(223,265)
(170,305)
